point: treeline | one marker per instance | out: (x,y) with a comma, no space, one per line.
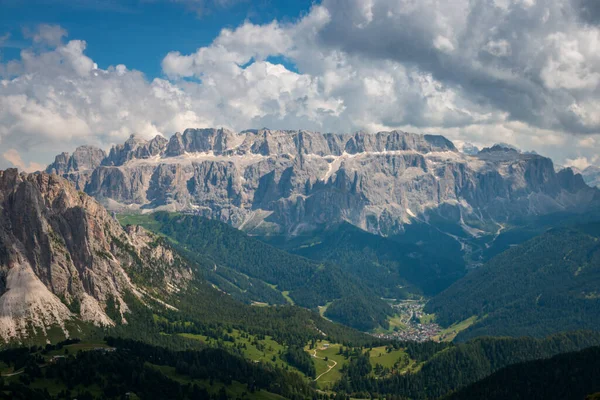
(389,267)
(206,311)
(228,246)
(458,365)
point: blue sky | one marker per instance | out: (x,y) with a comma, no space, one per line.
(139,33)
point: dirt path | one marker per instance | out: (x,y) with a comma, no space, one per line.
(13,374)
(329,366)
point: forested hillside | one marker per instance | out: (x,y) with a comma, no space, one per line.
(570,376)
(547,284)
(391,267)
(253,271)
(207,311)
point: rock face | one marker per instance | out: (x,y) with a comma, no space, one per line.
(63,257)
(79,166)
(134,148)
(291,181)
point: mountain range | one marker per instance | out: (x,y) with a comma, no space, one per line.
(366,216)
(290,182)
(67,266)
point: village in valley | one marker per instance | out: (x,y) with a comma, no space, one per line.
(411,323)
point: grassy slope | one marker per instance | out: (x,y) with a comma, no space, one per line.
(449,334)
(263,351)
(379,355)
(327,380)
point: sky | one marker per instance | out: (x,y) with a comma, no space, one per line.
(522,72)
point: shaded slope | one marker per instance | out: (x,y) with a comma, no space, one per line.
(547,284)
(570,376)
(253,271)
(391,267)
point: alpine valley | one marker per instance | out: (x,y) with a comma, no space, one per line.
(293,264)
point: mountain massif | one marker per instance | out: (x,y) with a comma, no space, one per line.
(63,257)
(289,182)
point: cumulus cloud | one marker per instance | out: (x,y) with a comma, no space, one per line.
(516,71)
(56,99)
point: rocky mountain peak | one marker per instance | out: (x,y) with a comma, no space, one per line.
(84,158)
(135,148)
(63,257)
(497,148)
(60,165)
(469,149)
(591,175)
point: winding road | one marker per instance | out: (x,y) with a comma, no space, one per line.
(323,358)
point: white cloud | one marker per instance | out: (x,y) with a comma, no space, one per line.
(443,44)
(515,71)
(59,98)
(573,60)
(230,50)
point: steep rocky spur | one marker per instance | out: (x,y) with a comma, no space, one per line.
(64,258)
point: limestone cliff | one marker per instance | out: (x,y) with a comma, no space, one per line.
(63,257)
(290,181)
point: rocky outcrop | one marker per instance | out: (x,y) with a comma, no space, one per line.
(217,141)
(84,158)
(289,181)
(135,148)
(64,258)
(79,166)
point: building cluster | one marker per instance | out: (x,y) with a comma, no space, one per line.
(413,333)
(412,328)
